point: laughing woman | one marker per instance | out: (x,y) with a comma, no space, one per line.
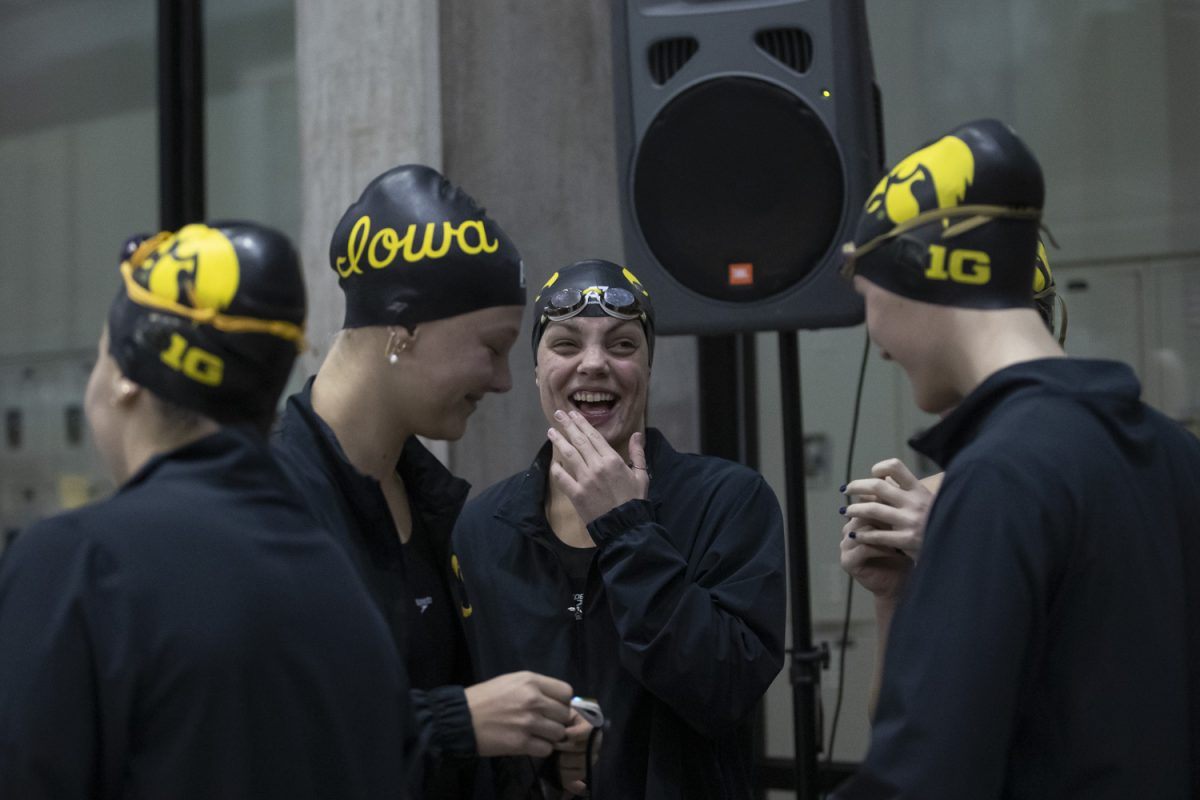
(651,580)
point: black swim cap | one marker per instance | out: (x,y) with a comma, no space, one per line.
(955,223)
(210,318)
(583,289)
(414,247)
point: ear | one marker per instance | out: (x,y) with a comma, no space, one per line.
(400,340)
(125,391)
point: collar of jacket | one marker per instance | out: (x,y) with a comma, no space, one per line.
(1095,382)
(235,453)
(524,506)
(434,493)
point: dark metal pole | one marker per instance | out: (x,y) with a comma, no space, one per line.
(180,112)
(806,660)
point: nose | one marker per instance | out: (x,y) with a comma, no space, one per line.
(593,359)
(501,376)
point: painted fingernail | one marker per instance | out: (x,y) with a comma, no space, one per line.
(842,488)
(559,415)
(842,510)
(852,535)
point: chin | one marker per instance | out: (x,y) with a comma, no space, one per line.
(935,402)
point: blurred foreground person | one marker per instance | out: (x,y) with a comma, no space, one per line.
(1047,644)
(196,635)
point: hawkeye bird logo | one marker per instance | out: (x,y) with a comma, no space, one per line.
(198,267)
(931,178)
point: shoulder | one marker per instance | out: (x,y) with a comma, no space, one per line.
(491,500)
(49,537)
(50,556)
(692,472)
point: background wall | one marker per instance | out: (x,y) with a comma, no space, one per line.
(512,98)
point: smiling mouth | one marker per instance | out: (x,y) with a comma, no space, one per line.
(594,404)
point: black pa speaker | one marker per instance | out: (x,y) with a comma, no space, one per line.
(748,137)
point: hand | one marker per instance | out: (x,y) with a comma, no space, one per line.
(572,755)
(590,472)
(882,539)
(519,714)
(880,570)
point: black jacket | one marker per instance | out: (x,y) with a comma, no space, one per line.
(194,636)
(352,506)
(682,623)
(1048,645)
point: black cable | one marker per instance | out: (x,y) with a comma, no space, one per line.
(845,639)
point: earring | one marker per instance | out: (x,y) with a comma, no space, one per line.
(393,358)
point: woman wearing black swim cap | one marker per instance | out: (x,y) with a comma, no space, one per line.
(434,297)
(196,635)
(650,579)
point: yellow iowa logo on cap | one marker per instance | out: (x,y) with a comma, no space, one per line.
(196,267)
(629,276)
(934,177)
(385,245)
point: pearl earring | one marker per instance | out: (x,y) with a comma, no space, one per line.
(393,358)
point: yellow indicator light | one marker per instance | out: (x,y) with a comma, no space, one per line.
(826,93)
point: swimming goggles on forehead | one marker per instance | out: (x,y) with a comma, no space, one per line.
(613,300)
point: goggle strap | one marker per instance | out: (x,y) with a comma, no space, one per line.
(282,329)
(976,215)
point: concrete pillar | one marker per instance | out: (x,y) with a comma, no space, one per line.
(369,98)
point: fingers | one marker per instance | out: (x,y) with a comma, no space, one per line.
(580,433)
(637,451)
(521,713)
(895,469)
(884,516)
(879,490)
(555,690)
(577,733)
(891,541)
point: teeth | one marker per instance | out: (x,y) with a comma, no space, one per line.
(593,397)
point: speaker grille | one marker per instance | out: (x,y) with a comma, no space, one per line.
(791,47)
(738,172)
(667,56)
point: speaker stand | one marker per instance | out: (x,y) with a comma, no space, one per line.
(807,661)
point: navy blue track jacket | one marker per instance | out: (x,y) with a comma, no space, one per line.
(352,508)
(1048,644)
(682,623)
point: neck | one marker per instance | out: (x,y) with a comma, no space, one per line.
(349,395)
(564,520)
(991,341)
(144,442)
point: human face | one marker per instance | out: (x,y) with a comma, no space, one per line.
(600,367)
(101,404)
(454,362)
(906,331)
